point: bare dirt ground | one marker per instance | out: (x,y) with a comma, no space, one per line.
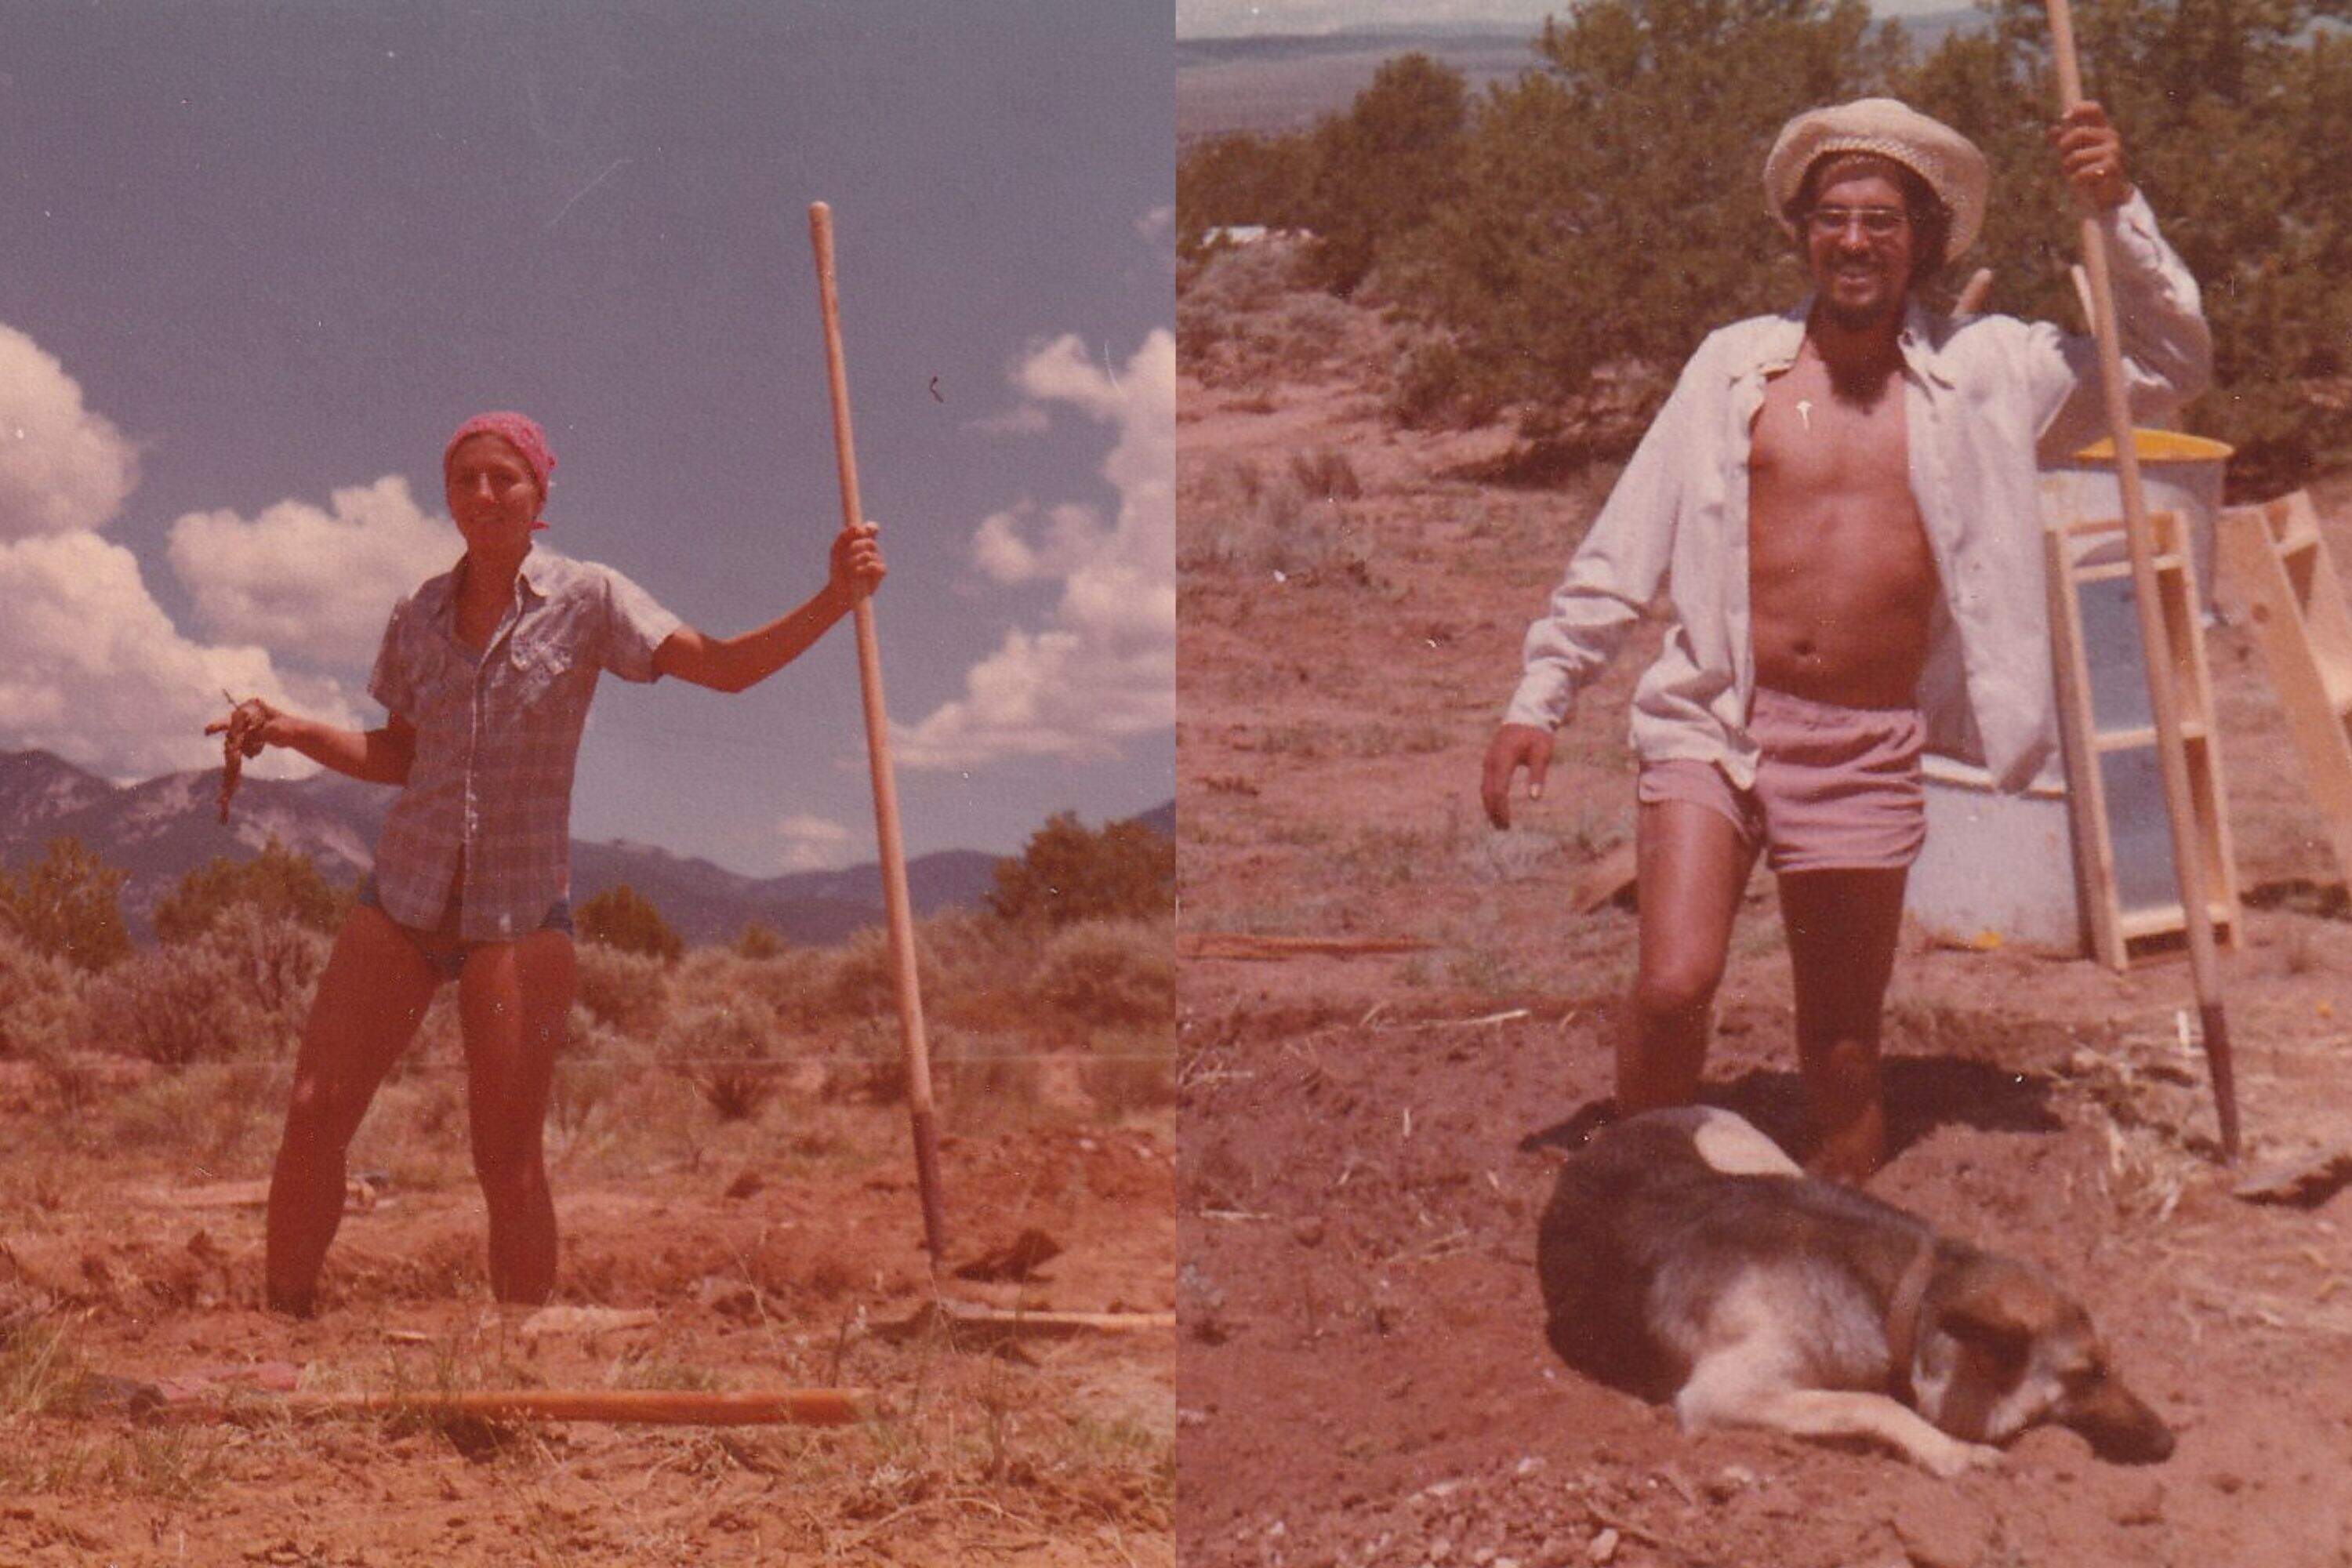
(1362,1371)
(769,1249)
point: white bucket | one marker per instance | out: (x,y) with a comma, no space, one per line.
(2177,473)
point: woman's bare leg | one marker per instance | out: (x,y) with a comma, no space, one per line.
(368,1002)
(513,1000)
(1692,868)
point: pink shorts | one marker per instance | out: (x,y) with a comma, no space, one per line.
(1838,788)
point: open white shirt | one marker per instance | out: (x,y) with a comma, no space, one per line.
(1982,396)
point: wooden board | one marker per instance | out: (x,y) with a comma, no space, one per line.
(2297,603)
(2115,790)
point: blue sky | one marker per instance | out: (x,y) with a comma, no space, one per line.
(1226,18)
(257,260)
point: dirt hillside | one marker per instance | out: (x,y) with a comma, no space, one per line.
(1363,1377)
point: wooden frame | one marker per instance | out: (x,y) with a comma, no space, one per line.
(2123,854)
(2301,621)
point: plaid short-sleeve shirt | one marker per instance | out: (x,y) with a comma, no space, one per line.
(497,736)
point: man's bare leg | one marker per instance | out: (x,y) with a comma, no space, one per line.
(512,1003)
(1692,869)
(1842,927)
(370,1000)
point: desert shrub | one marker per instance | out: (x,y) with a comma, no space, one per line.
(759,940)
(862,981)
(1240,517)
(277,881)
(1251,316)
(620,916)
(1110,972)
(1327,473)
(793,988)
(623,990)
(240,991)
(728,1053)
(981,967)
(40,1003)
(273,960)
(69,905)
(1068,872)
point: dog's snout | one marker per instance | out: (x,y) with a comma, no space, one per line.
(2124,1431)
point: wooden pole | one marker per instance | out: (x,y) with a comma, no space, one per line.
(2187,853)
(914,1052)
(636,1407)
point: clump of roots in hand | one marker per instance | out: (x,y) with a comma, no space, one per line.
(240,735)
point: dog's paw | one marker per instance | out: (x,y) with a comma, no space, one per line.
(1955,1460)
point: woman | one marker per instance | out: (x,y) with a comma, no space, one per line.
(486,675)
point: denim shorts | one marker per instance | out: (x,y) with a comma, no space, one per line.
(447,954)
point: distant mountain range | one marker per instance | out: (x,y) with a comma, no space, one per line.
(164,827)
(1270,83)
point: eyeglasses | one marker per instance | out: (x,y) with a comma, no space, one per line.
(1878,223)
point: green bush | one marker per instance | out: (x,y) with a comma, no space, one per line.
(277,881)
(69,905)
(620,917)
(1069,872)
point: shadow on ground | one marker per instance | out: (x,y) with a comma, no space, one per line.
(1923,1093)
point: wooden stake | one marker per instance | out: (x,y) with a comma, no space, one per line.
(2155,640)
(914,1049)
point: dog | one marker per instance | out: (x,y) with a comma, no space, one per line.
(1684,1257)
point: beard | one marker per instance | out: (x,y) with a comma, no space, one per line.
(1861,318)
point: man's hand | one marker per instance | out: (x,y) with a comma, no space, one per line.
(1515,746)
(858,568)
(2091,156)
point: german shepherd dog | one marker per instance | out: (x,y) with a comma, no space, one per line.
(1684,1256)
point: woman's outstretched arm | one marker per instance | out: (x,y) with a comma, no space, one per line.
(733,664)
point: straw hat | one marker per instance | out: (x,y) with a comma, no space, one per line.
(1930,149)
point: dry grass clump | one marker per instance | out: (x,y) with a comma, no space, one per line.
(730,1052)
(1240,517)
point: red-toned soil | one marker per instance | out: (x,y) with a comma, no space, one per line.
(1362,1371)
(769,1252)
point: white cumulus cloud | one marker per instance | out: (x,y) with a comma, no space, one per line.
(1102,671)
(814,843)
(91,668)
(312,583)
(63,469)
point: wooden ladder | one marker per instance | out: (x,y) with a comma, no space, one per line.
(2114,786)
(2304,626)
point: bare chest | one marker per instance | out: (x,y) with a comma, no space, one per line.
(1812,442)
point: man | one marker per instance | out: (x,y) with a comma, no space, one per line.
(1839,505)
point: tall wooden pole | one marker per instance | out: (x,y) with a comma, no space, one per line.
(2155,644)
(914,1050)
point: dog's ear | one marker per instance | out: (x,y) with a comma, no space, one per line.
(1989,1319)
